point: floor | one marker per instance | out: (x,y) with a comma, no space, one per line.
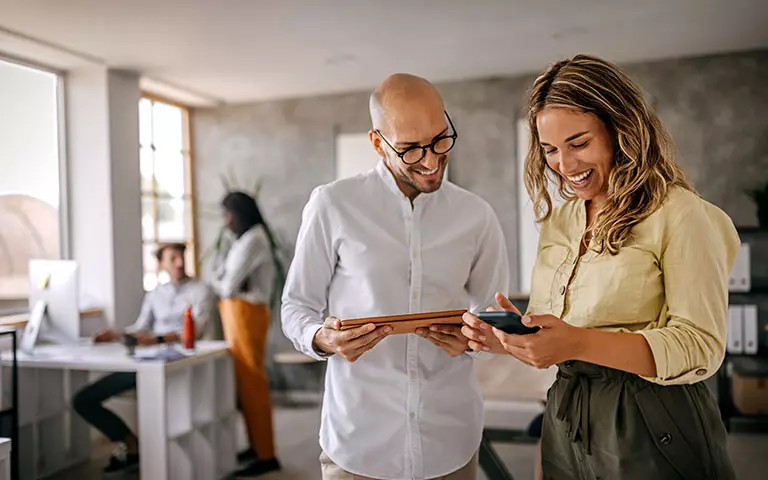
(298,451)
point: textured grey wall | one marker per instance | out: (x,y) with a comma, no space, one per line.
(715,108)
(290,146)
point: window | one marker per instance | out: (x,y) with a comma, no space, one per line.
(354,154)
(528,229)
(166,192)
(30,203)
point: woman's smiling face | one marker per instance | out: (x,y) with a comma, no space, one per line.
(579,147)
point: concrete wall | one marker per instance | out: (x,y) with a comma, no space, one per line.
(715,108)
(717,111)
(290,147)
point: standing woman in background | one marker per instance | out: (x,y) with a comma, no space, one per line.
(630,287)
(244,283)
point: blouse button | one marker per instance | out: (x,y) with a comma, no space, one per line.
(562,290)
(701,371)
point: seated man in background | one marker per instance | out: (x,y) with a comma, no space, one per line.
(161,321)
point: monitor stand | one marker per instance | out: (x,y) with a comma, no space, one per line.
(32,329)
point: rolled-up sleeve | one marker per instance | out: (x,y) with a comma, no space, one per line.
(305,296)
(699,248)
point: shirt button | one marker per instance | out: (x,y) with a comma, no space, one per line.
(701,371)
(412,415)
(665,439)
(562,290)
(413,375)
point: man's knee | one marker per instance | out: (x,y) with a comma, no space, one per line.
(83,400)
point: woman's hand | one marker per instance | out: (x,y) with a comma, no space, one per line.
(480,334)
(554,343)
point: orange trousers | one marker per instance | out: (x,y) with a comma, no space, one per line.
(245,329)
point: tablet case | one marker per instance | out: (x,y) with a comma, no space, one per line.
(408,323)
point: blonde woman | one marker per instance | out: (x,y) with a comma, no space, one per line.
(629,288)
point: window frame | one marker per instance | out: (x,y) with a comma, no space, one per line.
(188,196)
(65,239)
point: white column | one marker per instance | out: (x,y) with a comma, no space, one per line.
(105,189)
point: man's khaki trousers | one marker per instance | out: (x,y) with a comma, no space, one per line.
(331,471)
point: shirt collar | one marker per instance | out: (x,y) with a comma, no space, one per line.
(174,288)
(389,180)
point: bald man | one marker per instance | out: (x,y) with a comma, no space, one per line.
(397,239)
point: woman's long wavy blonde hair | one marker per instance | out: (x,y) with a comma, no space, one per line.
(644,168)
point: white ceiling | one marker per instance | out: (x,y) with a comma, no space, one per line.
(237,51)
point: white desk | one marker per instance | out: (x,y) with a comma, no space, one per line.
(186,409)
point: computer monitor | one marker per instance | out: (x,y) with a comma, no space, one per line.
(53,303)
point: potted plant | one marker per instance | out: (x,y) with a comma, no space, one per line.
(760,197)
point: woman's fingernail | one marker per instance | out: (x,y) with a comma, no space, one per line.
(486,349)
(481,338)
(526,319)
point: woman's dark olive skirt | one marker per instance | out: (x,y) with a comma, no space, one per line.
(602,423)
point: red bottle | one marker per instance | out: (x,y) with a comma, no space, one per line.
(189,329)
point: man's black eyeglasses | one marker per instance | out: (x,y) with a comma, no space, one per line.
(439,146)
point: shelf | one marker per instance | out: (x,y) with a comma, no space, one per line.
(226,445)
(760,290)
(180,466)
(224,375)
(752,230)
(52,450)
(6,400)
(749,424)
(202,394)
(178,403)
(53,402)
(204,454)
(27,452)
(28,396)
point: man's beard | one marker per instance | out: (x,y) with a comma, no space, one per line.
(431,187)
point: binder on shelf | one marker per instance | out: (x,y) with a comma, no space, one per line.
(751,342)
(735,342)
(740,278)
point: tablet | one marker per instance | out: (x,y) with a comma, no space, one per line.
(408,323)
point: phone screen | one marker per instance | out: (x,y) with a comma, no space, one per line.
(507,322)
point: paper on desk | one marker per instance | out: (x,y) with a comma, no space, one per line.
(165,353)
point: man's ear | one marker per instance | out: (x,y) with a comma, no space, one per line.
(376,143)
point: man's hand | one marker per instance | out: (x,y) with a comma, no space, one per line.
(447,337)
(349,344)
(144,338)
(106,336)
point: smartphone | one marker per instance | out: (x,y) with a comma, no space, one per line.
(507,322)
